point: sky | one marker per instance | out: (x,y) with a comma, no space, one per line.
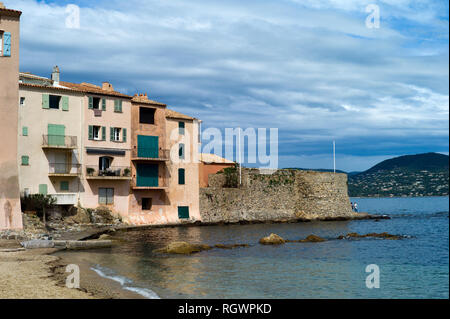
(310,68)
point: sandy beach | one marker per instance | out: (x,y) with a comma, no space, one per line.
(37,274)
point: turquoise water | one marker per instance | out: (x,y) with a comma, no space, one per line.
(413,267)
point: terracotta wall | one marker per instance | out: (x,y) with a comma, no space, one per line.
(206,169)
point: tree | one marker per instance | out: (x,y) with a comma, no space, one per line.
(38,202)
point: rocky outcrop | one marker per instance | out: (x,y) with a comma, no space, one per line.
(272,239)
(181,247)
(284,196)
(374,235)
(312,239)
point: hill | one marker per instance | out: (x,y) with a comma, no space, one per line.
(410,175)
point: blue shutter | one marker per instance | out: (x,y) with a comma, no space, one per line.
(7,44)
(147,175)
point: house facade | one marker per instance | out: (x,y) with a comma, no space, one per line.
(10,211)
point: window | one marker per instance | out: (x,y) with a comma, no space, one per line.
(5,43)
(183,212)
(64,186)
(1,43)
(146,203)
(116,134)
(181,128)
(26,191)
(22,101)
(96,132)
(25,131)
(106,196)
(96,103)
(54,101)
(146,115)
(104,162)
(43,189)
(25,160)
(181,151)
(118,106)
(181,176)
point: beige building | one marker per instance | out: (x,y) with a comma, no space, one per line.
(10,212)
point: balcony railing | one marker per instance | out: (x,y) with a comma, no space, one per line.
(59,141)
(163,183)
(112,172)
(65,198)
(63,169)
(150,154)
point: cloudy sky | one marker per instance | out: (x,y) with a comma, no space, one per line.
(311,68)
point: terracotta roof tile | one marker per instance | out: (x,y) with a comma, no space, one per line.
(143,99)
(90,88)
(10,12)
(177,115)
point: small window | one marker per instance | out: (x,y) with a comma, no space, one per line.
(64,186)
(181,128)
(146,203)
(96,103)
(116,134)
(181,151)
(106,196)
(96,132)
(181,176)
(183,212)
(146,115)
(25,131)
(54,101)
(25,160)
(118,106)
(22,101)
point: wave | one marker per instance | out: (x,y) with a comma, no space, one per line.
(124,282)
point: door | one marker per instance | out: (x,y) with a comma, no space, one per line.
(147,175)
(56,134)
(147,146)
(62,165)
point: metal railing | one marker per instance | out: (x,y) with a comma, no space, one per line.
(142,152)
(65,198)
(61,141)
(64,168)
(112,171)
(162,183)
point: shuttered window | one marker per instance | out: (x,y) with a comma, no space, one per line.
(43,189)
(106,196)
(45,101)
(103,104)
(118,106)
(25,131)
(65,103)
(181,151)
(25,160)
(181,128)
(124,135)
(181,176)
(64,186)
(183,212)
(7,44)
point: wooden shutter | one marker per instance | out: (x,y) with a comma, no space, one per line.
(56,134)
(64,186)
(183,212)
(25,131)
(181,176)
(103,133)
(111,133)
(91,102)
(147,175)
(120,105)
(43,189)
(148,146)
(65,103)
(124,135)
(7,44)
(25,160)
(91,132)
(116,105)
(45,101)
(103,104)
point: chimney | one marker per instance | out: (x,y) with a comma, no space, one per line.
(107,86)
(55,75)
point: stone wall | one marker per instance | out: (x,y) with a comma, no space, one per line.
(285,195)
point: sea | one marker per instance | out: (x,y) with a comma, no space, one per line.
(415,266)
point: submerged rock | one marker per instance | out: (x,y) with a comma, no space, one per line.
(230,246)
(272,239)
(312,239)
(384,235)
(181,247)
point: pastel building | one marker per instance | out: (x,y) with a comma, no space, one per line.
(10,211)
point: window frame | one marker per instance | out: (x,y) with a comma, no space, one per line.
(117,134)
(99,137)
(109,200)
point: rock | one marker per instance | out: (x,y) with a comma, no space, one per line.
(231,246)
(312,239)
(81,217)
(181,247)
(103,215)
(384,235)
(272,239)
(104,236)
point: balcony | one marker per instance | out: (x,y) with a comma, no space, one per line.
(64,170)
(65,198)
(59,142)
(111,173)
(162,184)
(150,154)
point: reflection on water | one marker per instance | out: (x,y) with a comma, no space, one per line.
(410,268)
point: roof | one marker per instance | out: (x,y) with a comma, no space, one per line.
(143,99)
(10,12)
(94,89)
(56,88)
(214,159)
(177,115)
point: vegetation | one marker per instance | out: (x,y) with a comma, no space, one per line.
(38,203)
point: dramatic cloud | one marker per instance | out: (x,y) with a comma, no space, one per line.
(312,69)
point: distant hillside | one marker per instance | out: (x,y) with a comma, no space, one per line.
(411,175)
(316,169)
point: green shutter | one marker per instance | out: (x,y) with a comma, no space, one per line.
(56,134)
(183,212)
(45,101)
(116,105)
(65,103)
(7,44)
(147,175)
(64,186)
(104,104)
(111,133)
(103,133)
(120,106)
(25,160)
(91,102)
(25,131)
(181,176)
(124,135)
(43,189)
(147,146)
(91,132)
